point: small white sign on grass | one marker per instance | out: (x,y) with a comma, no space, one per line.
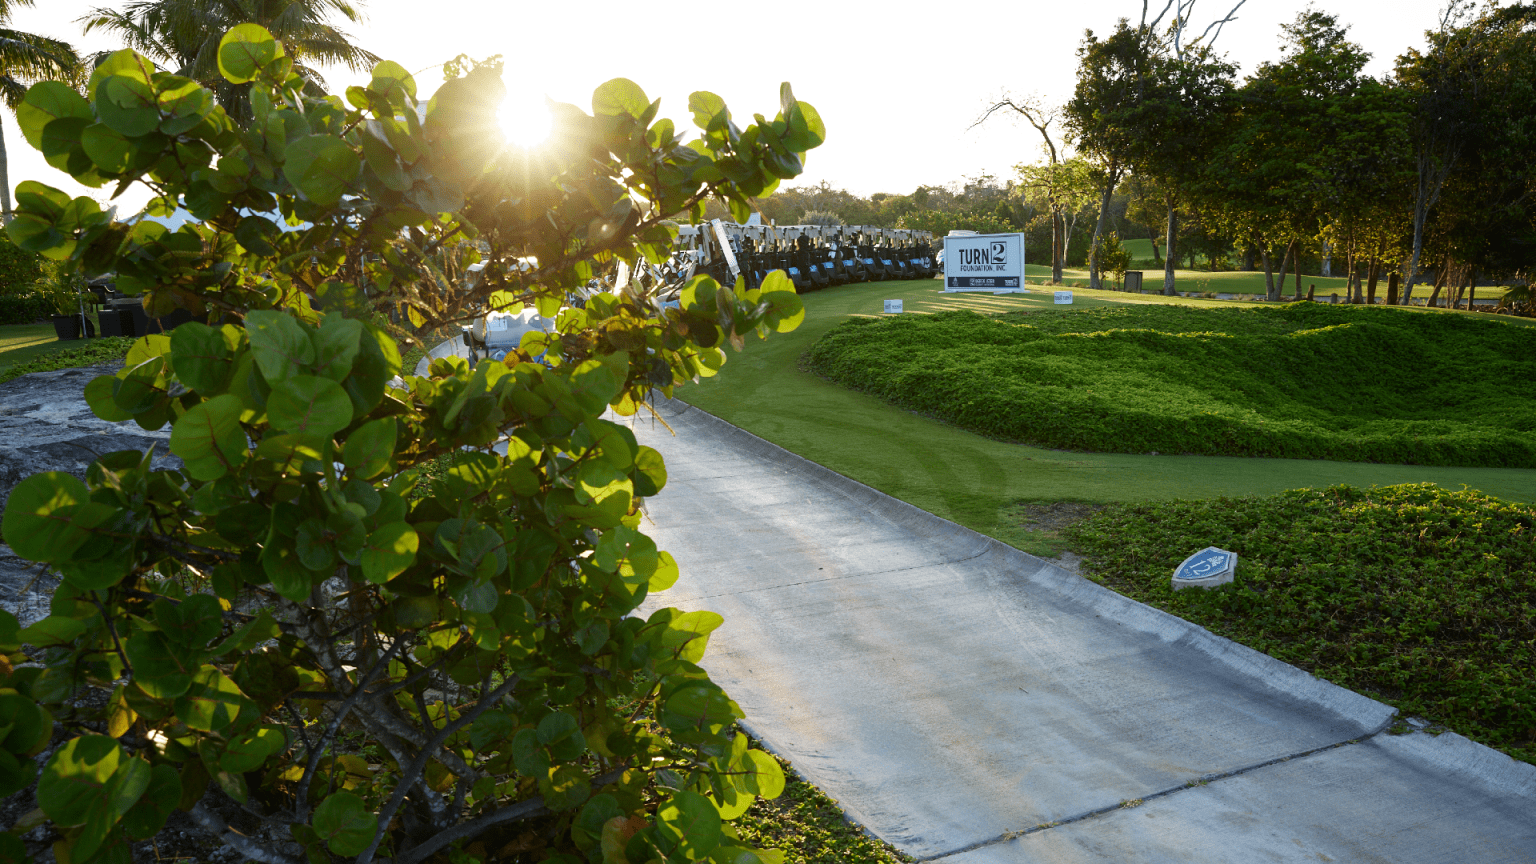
(1064,298)
(893,307)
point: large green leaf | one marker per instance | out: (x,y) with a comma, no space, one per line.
(248,751)
(209,438)
(245,50)
(369,448)
(128,105)
(27,726)
(345,824)
(211,703)
(203,356)
(161,668)
(40,522)
(389,551)
(688,633)
(45,102)
(309,405)
(767,777)
(336,345)
(321,167)
(147,817)
(288,575)
(700,706)
(619,96)
(690,822)
(63,141)
(76,776)
(650,474)
(108,148)
(194,622)
(282,347)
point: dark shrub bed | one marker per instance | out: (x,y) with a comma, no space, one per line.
(1422,598)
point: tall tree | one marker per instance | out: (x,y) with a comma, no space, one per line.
(1278,168)
(183,36)
(1145,100)
(1476,175)
(25,58)
(1049,178)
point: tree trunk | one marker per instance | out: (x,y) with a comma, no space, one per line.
(1278,286)
(1269,273)
(1440,277)
(1472,290)
(1392,285)
(1298,278)
(1171,257)
(1249,254)
(1327,259)
(1373,272)
(5,182)
(1058,244)
(1157,251)
(1111,179)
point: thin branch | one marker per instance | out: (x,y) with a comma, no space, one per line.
(1231,16)
(300,805)
(526,809)
(408,775)
(246,846)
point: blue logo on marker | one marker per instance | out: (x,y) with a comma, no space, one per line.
(1206,563)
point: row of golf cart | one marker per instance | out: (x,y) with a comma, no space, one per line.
(814,256)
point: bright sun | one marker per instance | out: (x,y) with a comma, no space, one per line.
(524,120)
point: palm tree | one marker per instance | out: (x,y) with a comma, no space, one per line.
(183,36)
(25,58)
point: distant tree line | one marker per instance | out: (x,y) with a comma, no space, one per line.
(1426,175)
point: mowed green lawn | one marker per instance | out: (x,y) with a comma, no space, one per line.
(976,481)
(22,342)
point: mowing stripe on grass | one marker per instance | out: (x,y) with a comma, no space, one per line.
(974,480)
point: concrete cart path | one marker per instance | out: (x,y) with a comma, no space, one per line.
(970,703)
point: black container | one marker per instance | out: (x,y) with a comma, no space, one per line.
(116,322)
(68,326)
(143,325)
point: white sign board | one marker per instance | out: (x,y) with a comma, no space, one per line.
(893,306)
(984,262)
(1064,297)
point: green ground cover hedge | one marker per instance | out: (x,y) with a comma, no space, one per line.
(1302,380)
(1422,598)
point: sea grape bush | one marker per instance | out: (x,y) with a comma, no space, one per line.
(304,632)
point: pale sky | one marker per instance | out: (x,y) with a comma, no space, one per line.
(897,86)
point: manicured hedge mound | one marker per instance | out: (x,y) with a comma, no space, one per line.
(1422,598)
(1302,381)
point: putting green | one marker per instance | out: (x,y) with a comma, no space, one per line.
(976,481)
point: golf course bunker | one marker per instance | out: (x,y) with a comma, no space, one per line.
(1299,381)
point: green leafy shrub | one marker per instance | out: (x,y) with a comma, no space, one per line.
(18,268)
(383,617)
(25,308)
(1420,597)
(1114,259)
(1301,381)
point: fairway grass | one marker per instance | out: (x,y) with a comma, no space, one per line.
(979,482)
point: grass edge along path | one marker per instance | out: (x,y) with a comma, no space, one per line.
(978,482)
(86,352)
(1418,597)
